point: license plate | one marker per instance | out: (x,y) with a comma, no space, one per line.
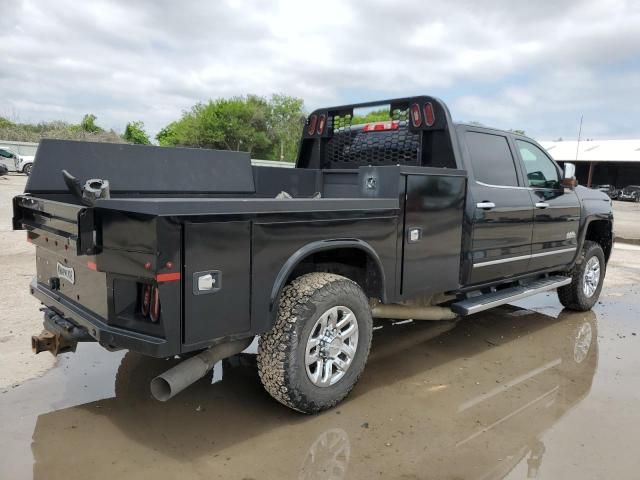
(66,273)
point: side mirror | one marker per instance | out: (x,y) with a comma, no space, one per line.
(569,180)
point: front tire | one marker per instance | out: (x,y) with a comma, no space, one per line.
(318,347)
(587,278)
(27,169)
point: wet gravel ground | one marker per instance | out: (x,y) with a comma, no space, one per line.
(527,391)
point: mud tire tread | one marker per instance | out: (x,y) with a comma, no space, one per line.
(277,349)
(571,296)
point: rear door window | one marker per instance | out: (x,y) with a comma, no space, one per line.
(491,159)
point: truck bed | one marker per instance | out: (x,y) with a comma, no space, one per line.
(157,236)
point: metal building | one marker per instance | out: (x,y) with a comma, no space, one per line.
(600,162)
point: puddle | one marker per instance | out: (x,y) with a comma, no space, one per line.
(492,396)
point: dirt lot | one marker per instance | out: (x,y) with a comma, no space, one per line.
(523,391)
(20,316)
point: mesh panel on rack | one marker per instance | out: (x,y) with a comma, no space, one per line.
(350,146)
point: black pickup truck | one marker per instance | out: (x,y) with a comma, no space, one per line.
(195,252)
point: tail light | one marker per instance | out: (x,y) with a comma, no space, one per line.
(313,120)
(381,126)
(321,122)
(429,114)
(145,301)
(150,302)
(154,311)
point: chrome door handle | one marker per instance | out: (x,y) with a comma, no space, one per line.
(486,205)
(542,204)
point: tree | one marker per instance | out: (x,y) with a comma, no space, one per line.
(88,124)
(134,133)
(168,136)
(286,121)
(265,129)
(85,130)
(371,117)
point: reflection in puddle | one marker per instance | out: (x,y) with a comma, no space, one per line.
(327,457)
(441,400)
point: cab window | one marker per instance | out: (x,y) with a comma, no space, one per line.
(541,171)
(491,159)
(5,154)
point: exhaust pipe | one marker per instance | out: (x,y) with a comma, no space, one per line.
(176,379)
(404,312)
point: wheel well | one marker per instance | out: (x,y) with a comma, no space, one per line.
(353,263)
(600,231)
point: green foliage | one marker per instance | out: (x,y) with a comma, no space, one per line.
(88,124)
(371,117)
(134,133)
(85,130)
(519,132)
(268,129)
(168,136)
(286,121)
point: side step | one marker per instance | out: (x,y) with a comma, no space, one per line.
(508,295)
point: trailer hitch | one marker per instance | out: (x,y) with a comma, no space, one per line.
(52,342)
(59,335)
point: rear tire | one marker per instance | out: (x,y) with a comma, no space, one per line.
(587,278)
(318,347)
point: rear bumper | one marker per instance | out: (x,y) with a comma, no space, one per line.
(107,335)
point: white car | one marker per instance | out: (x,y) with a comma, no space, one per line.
(15,161)
(24,163)
(8,158)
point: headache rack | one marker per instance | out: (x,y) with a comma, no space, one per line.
(417,132)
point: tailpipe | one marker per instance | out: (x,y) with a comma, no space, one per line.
(414,312)
(176,379)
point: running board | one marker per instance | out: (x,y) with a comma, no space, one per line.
(508,295)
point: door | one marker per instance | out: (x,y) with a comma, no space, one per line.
(433,228)
(501,210)
(556,210)
(216,286)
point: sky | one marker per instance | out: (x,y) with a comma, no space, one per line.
(531,65)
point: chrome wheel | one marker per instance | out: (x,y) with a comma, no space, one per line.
(591,277)
(584,337)
(331,346)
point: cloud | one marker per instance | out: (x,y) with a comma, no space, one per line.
(530,65)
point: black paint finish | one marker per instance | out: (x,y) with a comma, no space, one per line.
(403,231)
(434,207)
(223,246)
